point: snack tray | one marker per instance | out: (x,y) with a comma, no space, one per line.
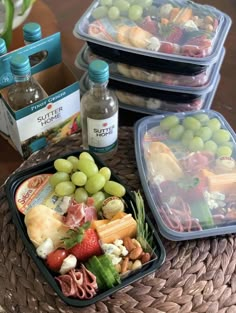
(103,32)
(16,179)
(198,84)
(150,105)
(182,209)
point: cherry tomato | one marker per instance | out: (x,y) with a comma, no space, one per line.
(55,258)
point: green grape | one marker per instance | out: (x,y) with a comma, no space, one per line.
(58,177)
(62,165)
(65,188)
(196,144)
(122,5)
(224,151)
(95,183)
(99,12)
(187,137)
(144,3)
(98,197)
(176,132)
(210,146)
(74,161)
(135,12)
(81,195)
(221,136)
(203,118)
(88,167)
(86,155)
(204,132)
(115,189)
(107,3)
(79,178)
(190,122)
(214,124)
(106,172)
(168,122)
(229,144)
(113,13)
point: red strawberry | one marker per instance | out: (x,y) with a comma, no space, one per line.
(175,35)
(83,243)
(166,47)
(149,25)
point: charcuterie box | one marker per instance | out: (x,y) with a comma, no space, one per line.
(187,166)
(177,36)
(155,101)
(198,84)
(105,262)
(54,117)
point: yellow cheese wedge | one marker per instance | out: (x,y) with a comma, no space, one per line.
(96,223)
(118,229)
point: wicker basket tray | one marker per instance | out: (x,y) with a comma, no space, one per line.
(198,276)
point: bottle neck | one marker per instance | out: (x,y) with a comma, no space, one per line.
(98,89)
(26,42)
(22,78)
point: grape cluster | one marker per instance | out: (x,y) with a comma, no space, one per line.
(81,178)
(114,9)
(199,133)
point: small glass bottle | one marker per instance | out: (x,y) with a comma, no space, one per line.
(32,32)
(99,113)
(25,90)
(3,46)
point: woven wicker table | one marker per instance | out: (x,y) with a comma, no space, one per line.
(198,276)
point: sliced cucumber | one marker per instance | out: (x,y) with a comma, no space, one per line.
(107,263)
(106,276)
(96,273)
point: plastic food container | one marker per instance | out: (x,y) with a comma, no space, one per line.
(30,179)
(155,101)
(183,36)
(154,79)
(187,167)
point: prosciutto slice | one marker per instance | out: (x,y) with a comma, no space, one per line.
(195,161)
(79,213)
(78,283)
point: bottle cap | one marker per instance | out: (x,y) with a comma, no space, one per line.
(20,64)
(98,71)
(3,47)
(32,32)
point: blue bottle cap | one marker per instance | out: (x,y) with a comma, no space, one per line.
(3,47)
(98,71)
(32,32)
(20,64)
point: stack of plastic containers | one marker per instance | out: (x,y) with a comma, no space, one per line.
(164,56)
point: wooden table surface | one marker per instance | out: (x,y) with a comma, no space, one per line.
(54,15)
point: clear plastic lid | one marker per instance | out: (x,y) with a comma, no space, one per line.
(187,166)
(180,31)
(161,102)
(199,83)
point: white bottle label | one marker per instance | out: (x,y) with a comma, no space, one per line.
(102,134)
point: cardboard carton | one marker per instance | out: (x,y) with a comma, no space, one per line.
(51,119)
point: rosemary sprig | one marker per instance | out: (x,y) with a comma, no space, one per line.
(144,234)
